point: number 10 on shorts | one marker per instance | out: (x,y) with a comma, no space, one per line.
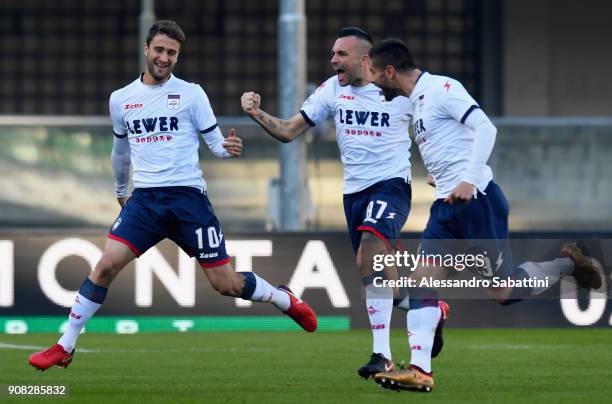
(214,240)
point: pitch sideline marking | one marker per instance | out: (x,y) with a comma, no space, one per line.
(31,347)
(192,349)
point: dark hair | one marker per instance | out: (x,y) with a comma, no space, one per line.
(392,52)
(357,32)
(166,27)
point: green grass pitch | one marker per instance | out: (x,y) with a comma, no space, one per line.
(477,365)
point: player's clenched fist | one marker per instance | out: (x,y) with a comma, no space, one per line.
(250,103)
(463,193)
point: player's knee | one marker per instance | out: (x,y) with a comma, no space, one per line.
(501,300)
(106,270)
(226,285)
(501,296)
(368,239)
(224,288)
(369,246)
(507,302)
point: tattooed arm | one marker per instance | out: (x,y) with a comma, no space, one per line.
(284,130)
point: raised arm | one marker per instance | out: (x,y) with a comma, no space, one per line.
(284,130)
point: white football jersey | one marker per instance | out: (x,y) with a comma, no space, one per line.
(163,123)
(372,133)
(440,107)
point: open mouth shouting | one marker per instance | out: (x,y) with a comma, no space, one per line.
(342,79)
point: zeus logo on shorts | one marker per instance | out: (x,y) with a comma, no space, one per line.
(487,270)
(116,224)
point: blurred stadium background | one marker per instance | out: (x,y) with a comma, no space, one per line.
(532,64)
(539,67)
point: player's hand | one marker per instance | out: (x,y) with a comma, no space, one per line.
(233,144)
(431,181)
(250,103)
(463,193)
(122,200)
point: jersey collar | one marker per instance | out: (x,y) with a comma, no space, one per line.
(154,86)
(367,87)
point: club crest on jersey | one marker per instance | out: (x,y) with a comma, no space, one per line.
(383,99)
(174,101)
(421,102)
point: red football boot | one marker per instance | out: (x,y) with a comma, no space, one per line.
(300,311)
(55,355)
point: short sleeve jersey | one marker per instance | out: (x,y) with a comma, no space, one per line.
(163,124)
(372,133)
(440,107)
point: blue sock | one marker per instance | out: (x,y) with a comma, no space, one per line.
(257,289)
(93,292)
(249,285)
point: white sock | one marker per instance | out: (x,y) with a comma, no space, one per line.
(81,312)
(264,292)
(379,313)
(422,325)
(553,270)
